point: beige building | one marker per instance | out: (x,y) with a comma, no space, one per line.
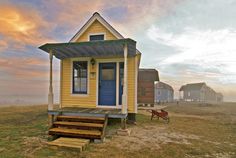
(199,92)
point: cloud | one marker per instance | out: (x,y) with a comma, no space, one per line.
(138,15)
(3,45)
(20,27)
(70,15)
(207,50)
(188,40)
(25,68)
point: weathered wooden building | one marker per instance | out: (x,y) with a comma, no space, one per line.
(146,80)
(199,92)
(163,92)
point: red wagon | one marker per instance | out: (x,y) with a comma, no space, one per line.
(162,114)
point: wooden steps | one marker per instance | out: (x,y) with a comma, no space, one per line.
(81,119)
(78,144)
(92,134)
(79,127)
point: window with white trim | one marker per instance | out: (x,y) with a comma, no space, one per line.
(99,37)
(189,94)
(80,77)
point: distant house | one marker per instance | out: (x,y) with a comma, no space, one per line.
(163,92)
(219,97)
(199,92)
(146,79)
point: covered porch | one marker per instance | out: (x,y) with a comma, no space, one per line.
(122,48)
(88,112)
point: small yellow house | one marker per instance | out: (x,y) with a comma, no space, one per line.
(99,69)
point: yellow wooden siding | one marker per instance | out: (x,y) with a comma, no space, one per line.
(90,100)
(131,84)
(95,28)
(69,99)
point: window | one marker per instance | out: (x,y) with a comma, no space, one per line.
(96,37)
(80,77)
(108,74)
(189,94)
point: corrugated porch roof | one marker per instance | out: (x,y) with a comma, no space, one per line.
(106,48)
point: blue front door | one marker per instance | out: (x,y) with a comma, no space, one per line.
(107,84)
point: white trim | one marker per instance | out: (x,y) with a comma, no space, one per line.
(125,88)
(88,77)
(50,93)
(108,107)
(117,83)
(97,80)
(117,61)
(98,17)
(60,99)
(99,33)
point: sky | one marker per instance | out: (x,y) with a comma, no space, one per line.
(187,41)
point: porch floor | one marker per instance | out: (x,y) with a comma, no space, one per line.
(93,112)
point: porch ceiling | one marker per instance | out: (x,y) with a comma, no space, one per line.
(106,48)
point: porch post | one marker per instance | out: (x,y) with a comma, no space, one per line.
(50,94)
(124,96)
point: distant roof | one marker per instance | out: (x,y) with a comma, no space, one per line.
(148,75)
(162,85)
(192,86)
(107,48)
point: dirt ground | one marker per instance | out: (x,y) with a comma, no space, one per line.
(187,135)
(195,130)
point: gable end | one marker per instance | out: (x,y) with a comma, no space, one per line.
(100,19)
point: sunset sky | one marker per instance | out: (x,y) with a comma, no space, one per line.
(185,40)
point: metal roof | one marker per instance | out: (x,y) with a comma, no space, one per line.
(192,86)
(162,85)
(148,75)
(106,48)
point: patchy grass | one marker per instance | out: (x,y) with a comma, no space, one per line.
(194,131)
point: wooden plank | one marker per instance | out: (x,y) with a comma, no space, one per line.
(83,110)
(104,127)
(80,148)
(76,131)
(87,110)
(91,134)
(77,144)
(93,111)
(98,111)
(81,117)
(70,142)
(79,124)
(86,141)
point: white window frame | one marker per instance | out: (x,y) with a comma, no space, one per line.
(100,33)
(88,76)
